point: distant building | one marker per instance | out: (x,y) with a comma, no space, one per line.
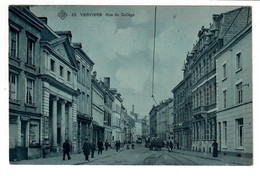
(116,115)
(97,109)
(108,101)
(163,119)
(234,95)
(153,121)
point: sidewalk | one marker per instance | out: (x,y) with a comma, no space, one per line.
(224,158)
(76,158)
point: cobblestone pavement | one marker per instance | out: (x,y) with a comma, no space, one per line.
(142,156)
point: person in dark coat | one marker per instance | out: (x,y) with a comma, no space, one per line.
(66,149)
(106,145)
(86,149)
(100,146)
(93,148)
(171,145)
(117,145)
(215,149)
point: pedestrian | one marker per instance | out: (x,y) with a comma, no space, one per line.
(66,149)
(106,145)
(117,145)
(93,148)
(100,146)
(86,149)
(215,148)
(171,145)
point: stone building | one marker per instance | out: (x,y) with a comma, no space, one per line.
(59,89)
(25,116)
(153,121)
(97,109)
(108,100)
(234,95)
(182,112)
(203,66)
(116,115)
(163,119)
(84,103)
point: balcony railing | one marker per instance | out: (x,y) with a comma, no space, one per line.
(200,110)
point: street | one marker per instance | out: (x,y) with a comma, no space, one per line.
(141,156)
(144,156)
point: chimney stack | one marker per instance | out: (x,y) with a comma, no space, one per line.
(133,108)
(94,75)
(107,82)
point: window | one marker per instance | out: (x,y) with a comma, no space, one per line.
(239,93)
(29,91)
(224,71)
(61,71)
(225,98)
(52,65)
(238,60)
(83,74)
(30,51)
(225,132)
(13,43)
(68,76)
(13,80)
(239,132)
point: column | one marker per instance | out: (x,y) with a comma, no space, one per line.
(70,123)
(54,122)
(63,121)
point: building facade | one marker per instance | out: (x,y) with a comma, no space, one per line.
(97,109)
(116,116)
(203,66)
(108,101)
(84,103)
(234,102)
(25,116)
(182,113)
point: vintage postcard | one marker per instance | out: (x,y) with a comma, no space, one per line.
(130,85)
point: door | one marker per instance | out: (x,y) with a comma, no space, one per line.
(219,136)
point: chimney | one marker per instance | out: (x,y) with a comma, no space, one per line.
(44,19)
(94,75)
(107,82)
(133,108)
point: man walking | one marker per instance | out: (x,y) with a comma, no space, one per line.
(100,146)
(86,149)
(66,149)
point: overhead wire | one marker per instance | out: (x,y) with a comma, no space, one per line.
(154,35)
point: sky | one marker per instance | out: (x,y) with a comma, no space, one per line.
(122,46)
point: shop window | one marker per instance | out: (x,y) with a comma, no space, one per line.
(34,134)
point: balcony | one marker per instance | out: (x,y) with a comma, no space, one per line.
(200,112)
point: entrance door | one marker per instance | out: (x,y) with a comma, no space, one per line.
(219,135)
(22,151)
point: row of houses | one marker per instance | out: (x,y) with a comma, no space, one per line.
(53,95)
(214,99)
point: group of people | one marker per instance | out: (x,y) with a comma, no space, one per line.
(88,148)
